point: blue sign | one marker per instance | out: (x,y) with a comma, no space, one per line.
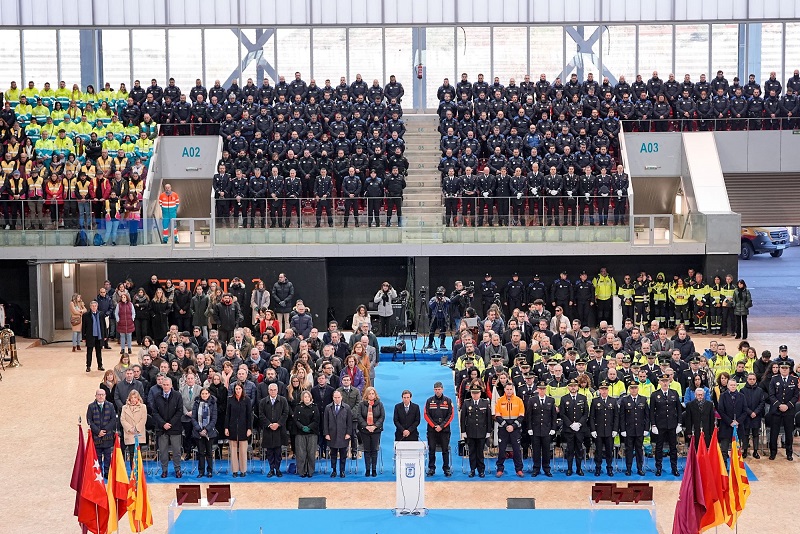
(411,470)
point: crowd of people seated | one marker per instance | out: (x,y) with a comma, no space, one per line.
(549,147)
(270,382)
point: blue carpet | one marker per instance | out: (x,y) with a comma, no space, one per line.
(601,521)
(418,377)
(415,350)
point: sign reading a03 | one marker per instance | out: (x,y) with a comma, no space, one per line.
(190,152)
(649,148)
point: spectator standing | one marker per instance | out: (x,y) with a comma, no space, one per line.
(167,412)
(141,320)
(94,331)
(742,302)
(102,419)
(383,298)
(204,431)
(259,300)
(283,296)
(133,420)
(125,315)
(337,430)
(301,322)
(306,419)
(273,413)
(238,428)
(76,310)
(159,315)
(371,415)
(227,316)
(198,308)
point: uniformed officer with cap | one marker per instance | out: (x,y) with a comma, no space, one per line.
(526,391)
(667,413)
(603,422)
(540,418)
(634,422)
(783,393)
(574,411)
(476,426)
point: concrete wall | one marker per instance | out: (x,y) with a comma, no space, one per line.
(653,154)
(188,157)
(758,152)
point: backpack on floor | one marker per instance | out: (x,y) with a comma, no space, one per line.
(97,241)
(81,240)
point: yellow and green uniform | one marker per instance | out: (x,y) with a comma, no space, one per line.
(107,95)
(91,116)
(24,112)
(616,389)
(100,130)
(130,149)
(91,98)
(48,97)
(150,128)
(112,145)
(587,392)
(104,115)
(30,93)
(64,146)
(58,115)
(40,113)
(117,129)
(144,149)
(45,147)
(63,95)
(49,128)
(33,131)
(82,129)
(12,95)
(132,130)
(557,389)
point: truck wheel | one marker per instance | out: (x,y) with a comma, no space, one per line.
(747,251)
(776,253)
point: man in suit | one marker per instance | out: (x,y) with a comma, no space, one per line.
(102,420)
(732,415)
(540,412)
(273,412)
(406,419)
(699,418)
(783,393)
(666,410)
(603,422)
(574,411)
(337,428)
(634,422)
(167,410)
(476,427)
(94,331)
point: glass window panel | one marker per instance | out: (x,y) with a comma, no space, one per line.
(510,54)
(222,55)
(265,55)
(294,52)
(399,61)
(329,55)
(655,50)
(691,52)
(619,52)
(792,53)
(439,59)
(70,41)
(150,56)
(10,67)
(725,50)
(40,65)
(185,62)
(116,59)
(583,61)
(472,55)
(770,52)
(547,51)
(366,54)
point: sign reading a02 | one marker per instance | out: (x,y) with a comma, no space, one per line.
(190,152)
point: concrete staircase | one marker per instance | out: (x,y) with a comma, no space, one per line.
(422,206)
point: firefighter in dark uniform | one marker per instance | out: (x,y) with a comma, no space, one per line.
(561,293)
(450,190)
(439,414)
(583,291)
(540,419)
(634,424)
(553,183)
(626,292)
(488,291)
(667,413)
(514,294)
(574,412)
(641,299)
(701,297)
(783,395)
(476,426)
(603,422)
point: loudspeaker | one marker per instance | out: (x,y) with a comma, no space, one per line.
(525,503)
(312,503)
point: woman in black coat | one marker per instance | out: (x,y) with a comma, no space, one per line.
(306,423)
(371,416)
(218,389)
(754,402)
(141,304)
(238,428)
(159,313)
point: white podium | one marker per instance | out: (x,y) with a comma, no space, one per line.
(409,458)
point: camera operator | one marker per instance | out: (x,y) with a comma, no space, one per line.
(460,300)
(439,312)
(383,298)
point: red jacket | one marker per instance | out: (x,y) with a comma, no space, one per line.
(125,316)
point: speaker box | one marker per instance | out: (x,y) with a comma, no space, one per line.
(524,503)
(312,503)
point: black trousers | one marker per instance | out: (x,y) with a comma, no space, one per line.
(669,436)
(442,439)
(604,312)
(291,204)
(746,434)
(488,205)
(342,455)
(450,210)
(517,210)
(467,205)
(727,320)
(634,444)
(741,326)
(326,206)
(552,210)
(533,202)
(570,210)
(374,211)
(98,351)
(258,205)
(205,455)
(273,458)
(780,420)
(505,439)
(394,203)
(574,447)
(387,325)
(583,312)
(541,453)
(602,210)
(276,213)
(476,460)
(620,210)
(223,209)
(584,203)
(371,442)
(603,449)
(350,205)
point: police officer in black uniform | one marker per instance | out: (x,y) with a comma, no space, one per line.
(351,189)
(620,183)
(570,190)
(323,188)
(634,424)
(583,291)
(395,183)
(561,293)
(667,413)
(574,412)
(468,189)
(603,422)
(587,189)
(540,419)
(476,426)
(553,183)
(536,290)
(783,394)
(450,190)
(514,293)
(486,186)
(488,291)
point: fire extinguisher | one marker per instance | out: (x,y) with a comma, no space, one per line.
(419,71)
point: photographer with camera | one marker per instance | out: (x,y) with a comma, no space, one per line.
(383,298)
(439,314)
(460,300)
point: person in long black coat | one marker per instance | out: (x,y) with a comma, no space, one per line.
(159,313)
(371,415)
(732,415)
(238,428)
(338,428)
(273,413)
(407,418)
(754,402)
(699,417)
(94,343)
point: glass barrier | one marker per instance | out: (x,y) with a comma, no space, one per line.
(711,123)
(652,229)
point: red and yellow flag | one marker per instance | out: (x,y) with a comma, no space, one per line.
(93,506)
(713,493)
(140,514)
(117,488)
(739,487)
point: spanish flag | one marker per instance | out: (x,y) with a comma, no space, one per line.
(139,513)
(739,486)
(713,491)
(117,488)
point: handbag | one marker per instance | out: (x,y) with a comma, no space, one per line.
(75,321)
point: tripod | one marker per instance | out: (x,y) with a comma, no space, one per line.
(401,333)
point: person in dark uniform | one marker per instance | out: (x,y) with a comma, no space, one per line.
(620,183)
(553,183)
(574,412)
(488,291)
(514,294)
(583,292)
(439,413)
(604,183)
(450,190)
(634,422)
(561,293)
(667,414)
(783,395)
(486,186)
(540,415)
(603,422)
(476,424)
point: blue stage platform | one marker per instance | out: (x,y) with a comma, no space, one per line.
(418,377)
(415,350)
(601,521)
